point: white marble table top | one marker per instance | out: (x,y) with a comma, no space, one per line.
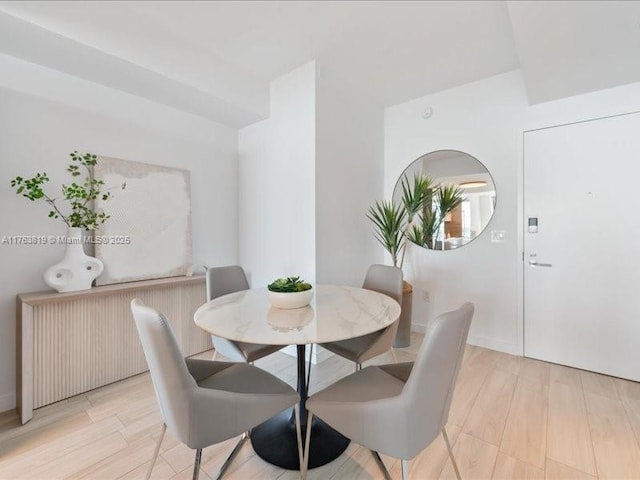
(335,313)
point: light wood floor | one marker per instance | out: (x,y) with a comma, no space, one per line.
(511,418)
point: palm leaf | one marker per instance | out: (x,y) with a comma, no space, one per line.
(413,196)
(389,220)
(430,224)
(416,234)
(448,198)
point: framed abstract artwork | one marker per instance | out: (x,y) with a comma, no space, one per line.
(148,234)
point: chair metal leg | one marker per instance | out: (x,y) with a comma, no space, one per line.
(196,465)
(393,354)
(383,468)
(296,409)
(303,469)
(358,366)
(157,451)
(453,460)
(405,469)
(232,455)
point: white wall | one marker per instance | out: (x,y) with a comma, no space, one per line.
(307,176)
(277,183)
(349,178)
(44,115)
(485,119)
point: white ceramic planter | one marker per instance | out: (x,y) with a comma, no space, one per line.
(77,270)
(290,299)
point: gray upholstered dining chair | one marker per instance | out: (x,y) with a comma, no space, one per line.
(221,281)
(399,409)
(203,402)
(383,279)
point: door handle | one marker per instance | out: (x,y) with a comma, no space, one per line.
(533,262)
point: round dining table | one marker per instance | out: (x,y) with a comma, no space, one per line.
(335,313)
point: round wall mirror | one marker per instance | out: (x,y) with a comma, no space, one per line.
(457,203)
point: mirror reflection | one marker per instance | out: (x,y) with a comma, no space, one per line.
(286,320)
(440,225)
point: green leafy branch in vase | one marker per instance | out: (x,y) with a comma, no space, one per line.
(80,196)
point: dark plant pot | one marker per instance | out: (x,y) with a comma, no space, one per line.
(403,336)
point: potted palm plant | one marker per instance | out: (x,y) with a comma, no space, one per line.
(417,218)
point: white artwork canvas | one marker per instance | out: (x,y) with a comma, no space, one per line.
(149,232)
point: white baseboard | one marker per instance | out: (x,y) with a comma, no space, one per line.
(7,401)
(485,342)
(491,344)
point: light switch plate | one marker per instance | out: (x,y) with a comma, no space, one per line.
(497,236)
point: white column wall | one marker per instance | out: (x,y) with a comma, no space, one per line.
(349,178)
(277,183)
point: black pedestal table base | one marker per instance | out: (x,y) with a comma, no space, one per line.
(275,442)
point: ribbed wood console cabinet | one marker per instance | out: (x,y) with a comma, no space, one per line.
(69,343)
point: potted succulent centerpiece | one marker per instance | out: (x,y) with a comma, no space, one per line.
(289,292)
(417,218)
(76,271)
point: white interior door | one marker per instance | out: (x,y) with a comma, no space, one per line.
(582,267)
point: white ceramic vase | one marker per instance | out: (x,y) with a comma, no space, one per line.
(77,270)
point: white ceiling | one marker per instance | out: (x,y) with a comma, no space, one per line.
(215,59)
(568,48)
